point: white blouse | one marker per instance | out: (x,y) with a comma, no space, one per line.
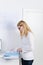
(27,45)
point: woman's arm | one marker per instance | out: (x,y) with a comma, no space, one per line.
(32,41)
(30,46)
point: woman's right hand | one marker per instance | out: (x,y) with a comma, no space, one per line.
(19,50)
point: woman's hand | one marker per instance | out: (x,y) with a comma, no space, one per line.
(19,50)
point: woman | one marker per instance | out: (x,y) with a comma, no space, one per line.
(27,47)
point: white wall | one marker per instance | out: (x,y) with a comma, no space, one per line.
(8,27)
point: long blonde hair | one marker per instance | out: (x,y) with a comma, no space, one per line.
(26,27)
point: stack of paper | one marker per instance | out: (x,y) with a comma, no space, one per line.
(11,55)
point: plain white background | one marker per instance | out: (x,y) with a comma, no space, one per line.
(11,13)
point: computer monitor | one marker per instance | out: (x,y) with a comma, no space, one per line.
(0,44)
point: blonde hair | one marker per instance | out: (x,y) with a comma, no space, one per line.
(26,27)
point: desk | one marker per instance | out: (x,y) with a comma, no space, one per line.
(9,62)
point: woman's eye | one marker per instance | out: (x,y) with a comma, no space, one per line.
(21,25)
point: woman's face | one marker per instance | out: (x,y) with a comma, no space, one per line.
(21,28)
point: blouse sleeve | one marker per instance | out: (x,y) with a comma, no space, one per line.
(31,42)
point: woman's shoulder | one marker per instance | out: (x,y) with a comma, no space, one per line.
(30,34)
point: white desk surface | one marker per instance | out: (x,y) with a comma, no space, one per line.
(9,62)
